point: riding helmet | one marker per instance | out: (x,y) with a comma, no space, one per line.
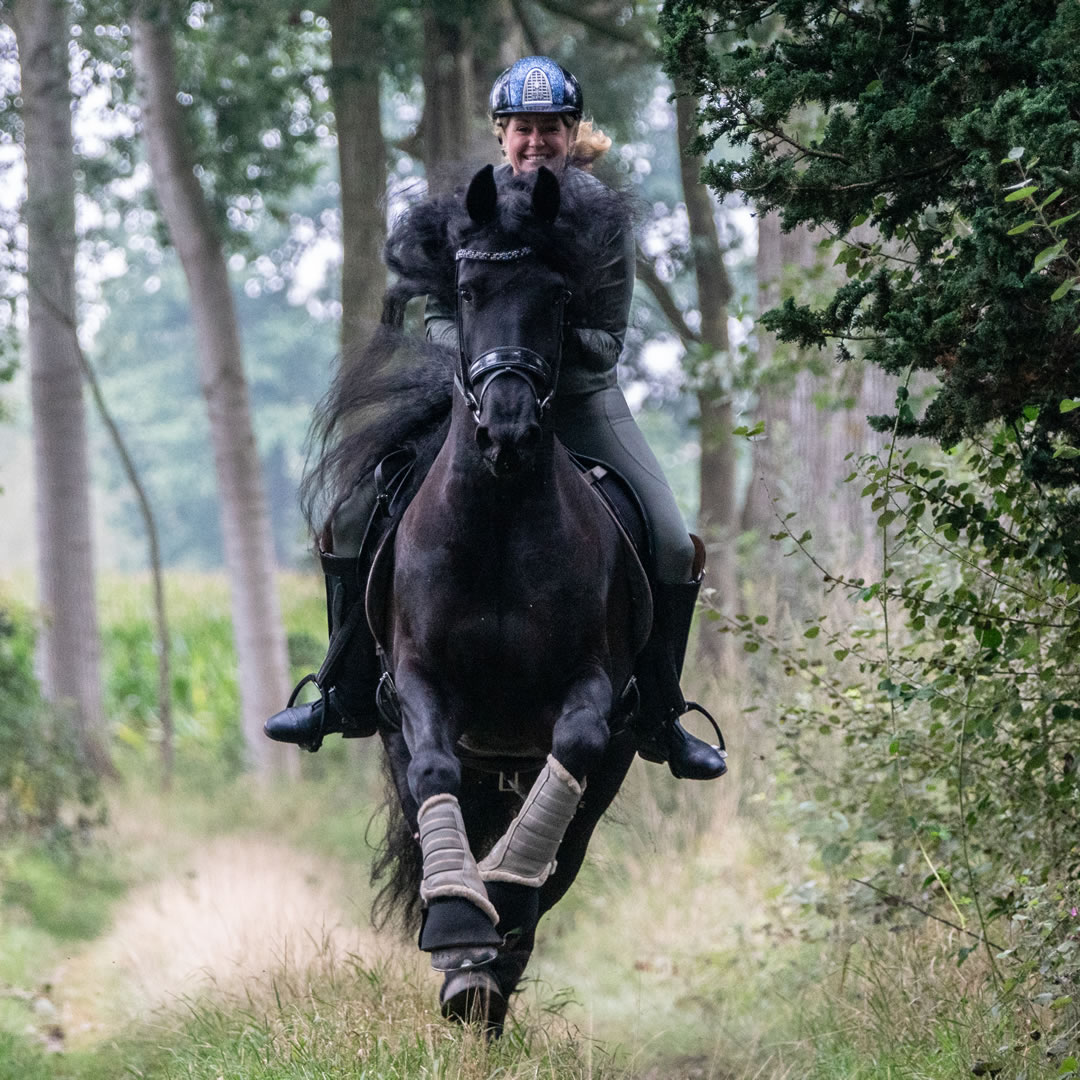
(535,84)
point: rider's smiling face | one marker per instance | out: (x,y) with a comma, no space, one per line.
(535,139)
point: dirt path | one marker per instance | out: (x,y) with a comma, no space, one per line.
(239,908)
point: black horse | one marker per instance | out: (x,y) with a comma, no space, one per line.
(508,605)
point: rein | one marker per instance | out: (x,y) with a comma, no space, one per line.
(541,374)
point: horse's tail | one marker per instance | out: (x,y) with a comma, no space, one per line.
(398,867)
(396,391)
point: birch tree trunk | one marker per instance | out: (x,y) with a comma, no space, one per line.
(717,516)
(70,648)
(249,554)
(362,164)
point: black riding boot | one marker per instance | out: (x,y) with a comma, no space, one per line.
(660,736)
(350,673)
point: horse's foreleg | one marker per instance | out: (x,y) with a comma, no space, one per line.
(459,920)
(525,854)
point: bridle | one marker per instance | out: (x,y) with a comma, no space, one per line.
(474,377)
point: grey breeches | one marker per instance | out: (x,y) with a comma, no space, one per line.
(598,425)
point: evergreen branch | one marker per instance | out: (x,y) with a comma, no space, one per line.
(805,151)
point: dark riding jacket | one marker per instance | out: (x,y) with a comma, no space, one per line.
(597,320)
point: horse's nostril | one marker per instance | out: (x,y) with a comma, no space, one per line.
(483,439)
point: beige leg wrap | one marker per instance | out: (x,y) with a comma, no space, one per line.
(525,855)
(449,866)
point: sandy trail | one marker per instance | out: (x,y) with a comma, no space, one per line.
(241,908)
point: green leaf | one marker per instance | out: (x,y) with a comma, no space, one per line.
(1022,228)
(1023,193)
(1062,220)
(812,632)
(1068,404)
(1066,452)
(1065,287)
(1048,255)
(1051,197)
(989,637)
(835,853)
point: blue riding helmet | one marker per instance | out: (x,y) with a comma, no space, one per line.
(535,84)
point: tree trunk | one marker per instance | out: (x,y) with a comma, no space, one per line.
(449,135)
(70,647)
(766,472)
(362,164)
(260,638)
(717,516)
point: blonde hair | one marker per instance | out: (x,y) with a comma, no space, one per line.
(589,145)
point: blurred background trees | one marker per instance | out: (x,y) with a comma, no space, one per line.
(887,229)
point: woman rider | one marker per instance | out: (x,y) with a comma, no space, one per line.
(536,107)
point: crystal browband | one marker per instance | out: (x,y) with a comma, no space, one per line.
(493,256)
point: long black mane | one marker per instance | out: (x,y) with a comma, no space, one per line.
(396,390)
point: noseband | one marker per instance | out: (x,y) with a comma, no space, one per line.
(473,378)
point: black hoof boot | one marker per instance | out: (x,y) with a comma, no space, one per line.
(457,934)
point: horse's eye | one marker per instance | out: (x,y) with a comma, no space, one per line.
(465,295)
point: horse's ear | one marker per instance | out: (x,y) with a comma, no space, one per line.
(481,197)
(546,197)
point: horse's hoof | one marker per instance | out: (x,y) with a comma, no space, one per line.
(471,996)
(470,956)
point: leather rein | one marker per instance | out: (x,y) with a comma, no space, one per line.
(474,377)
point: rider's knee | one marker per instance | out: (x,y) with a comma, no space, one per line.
(674,555)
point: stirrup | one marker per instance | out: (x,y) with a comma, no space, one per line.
(693,706)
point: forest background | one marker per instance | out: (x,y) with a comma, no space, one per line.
(194,199)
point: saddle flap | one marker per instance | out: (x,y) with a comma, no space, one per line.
(621,503)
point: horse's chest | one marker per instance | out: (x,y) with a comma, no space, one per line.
(516,615)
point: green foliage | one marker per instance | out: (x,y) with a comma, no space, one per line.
(205,696)
(42,773)
(67,897)
(942,754)
(251,79)
(19,1061)
(914,109)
